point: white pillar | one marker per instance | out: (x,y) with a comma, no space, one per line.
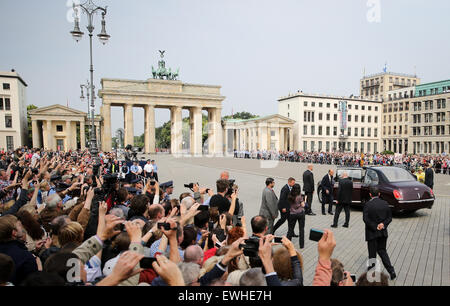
(149,135)
(35,132)
(263,138)
(69,141)
(83,136)
(176,130)
(196,140)
(281,139)
(49,135)
(128,124)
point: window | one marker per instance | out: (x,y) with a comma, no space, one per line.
(335,117)
(312,146)
(362,132)
(335,131)
(328,131)
(288,106)
(320,104)
(362,118)
(272,132)
(376,119)
(9,142)
(328,105)
(363,107)
(356,132)
(305,103)
(376,108)
(8,121)
(313,130)
(6,86)
(59,128)
(1,103)
(335,105)
(369,119)
(349,118)
(7,104)
(320,146)
(349,131)
(370,108)
(375,132)
(356,107)
(320,116)
(305,130)
(369,132)
(356,118)
(328,117)
(320,130)
(305,146)
(313,104)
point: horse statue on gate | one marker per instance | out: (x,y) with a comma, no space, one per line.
(162,72)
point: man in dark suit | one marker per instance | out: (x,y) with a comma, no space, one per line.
(327,192)
(429,176)
(283,204)
(377,216)
(308,188)
(344,199)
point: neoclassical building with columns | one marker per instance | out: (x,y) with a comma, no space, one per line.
(170,94)
(58,127)
(274,132)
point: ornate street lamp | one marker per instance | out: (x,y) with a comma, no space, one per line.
(90,9)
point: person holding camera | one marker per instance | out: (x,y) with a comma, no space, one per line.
(269,204)
(220,201)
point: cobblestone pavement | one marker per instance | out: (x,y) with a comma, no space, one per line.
(418,244)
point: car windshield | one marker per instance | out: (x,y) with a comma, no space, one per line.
(394,174)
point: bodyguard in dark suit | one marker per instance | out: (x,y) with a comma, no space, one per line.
(429,176)
(377,216)
(283,204)
(327,192)
(308,188)
(344,199)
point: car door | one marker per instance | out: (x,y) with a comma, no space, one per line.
(370,178)
(356,176)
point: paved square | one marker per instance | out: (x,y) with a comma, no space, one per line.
(418,244)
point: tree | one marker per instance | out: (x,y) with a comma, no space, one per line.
(241,115)
(30,132)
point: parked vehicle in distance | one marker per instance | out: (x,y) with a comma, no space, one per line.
(397,186)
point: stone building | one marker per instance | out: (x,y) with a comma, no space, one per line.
(13,111)
(274,132)
(58,127)
(331,123)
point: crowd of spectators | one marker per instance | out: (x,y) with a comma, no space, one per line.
(72,219)
(440,163)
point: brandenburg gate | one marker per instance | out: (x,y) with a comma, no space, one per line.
(164,91)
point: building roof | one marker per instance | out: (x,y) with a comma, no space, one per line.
(389,73)
(265,118)
(58,111)
(13,75)
(320,96)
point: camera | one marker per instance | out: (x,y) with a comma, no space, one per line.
(164,225)
(315,235)
(190,185)
(251,247)
(230,187)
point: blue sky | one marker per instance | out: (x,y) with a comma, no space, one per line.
(257,50)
